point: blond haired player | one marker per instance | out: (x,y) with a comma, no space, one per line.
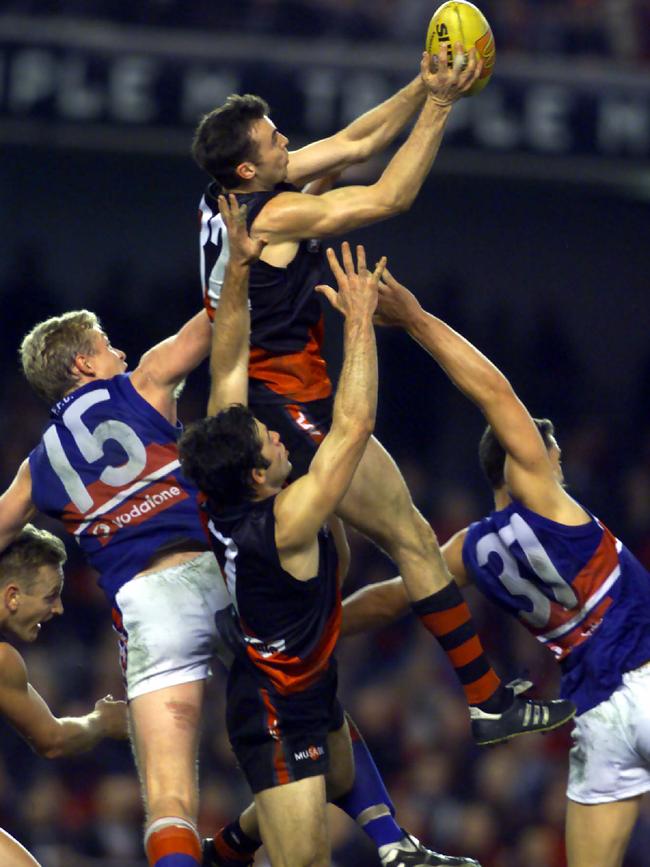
(31,579)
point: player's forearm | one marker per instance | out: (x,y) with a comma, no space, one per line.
(374,606)
(374,130)
(355,406)
(468,369)
(230,342)
(403,177)
(71,735)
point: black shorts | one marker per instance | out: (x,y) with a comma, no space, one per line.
(280,739)
(302,427)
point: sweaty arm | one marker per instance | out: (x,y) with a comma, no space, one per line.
(304,506)
(16,507)
(293,216)
(383,603)
(48,735)
(361,139)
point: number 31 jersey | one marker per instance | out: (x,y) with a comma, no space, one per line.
(107,466)
(577,589)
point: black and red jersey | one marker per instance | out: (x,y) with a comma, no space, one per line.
(289,627)
(286,315)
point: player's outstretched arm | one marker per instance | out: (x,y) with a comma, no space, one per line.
(303,507)
(48,735)
(529,470)
(361,139)
(291,215)
(16,507)
(231,327)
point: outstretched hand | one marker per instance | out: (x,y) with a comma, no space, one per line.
(244,250)
(357,287)
(397,305)
(446,85)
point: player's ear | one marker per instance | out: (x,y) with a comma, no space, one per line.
(11,598)
(82,365)
(258,475)
(246,171)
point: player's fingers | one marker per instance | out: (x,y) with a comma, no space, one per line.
(361,258)
(334,265)
(348,262)
(379,268)
(329,293)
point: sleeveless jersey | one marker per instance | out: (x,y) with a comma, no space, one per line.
(577,589)
(288,627)
(107,466)
(286,316)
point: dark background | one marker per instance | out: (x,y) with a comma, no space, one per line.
(541,262)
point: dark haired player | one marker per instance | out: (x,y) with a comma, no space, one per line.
(544,558)
(289,389)
(31,579)
(282,568)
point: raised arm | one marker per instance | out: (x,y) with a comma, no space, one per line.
(231,327)
(16,506)
(530,474)
(292,216)
(303,507)
(361,139)
(48,735)
(164,367)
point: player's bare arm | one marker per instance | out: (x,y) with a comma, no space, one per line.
(337,529)
(384,602)
(530,474)
(50,736)
(291,216)
(231,328)
(361,139)
(303,507)
(16,507)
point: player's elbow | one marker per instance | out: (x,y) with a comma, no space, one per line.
(51,746)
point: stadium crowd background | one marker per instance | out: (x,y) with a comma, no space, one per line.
(550,281)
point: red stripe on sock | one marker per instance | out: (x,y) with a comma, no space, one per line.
(444,622)
(173,840)
(466,652)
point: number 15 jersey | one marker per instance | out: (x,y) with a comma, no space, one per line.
(107,466)
(576,588)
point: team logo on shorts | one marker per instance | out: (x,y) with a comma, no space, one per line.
(313,752)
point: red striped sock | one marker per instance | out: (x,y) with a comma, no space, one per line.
(173,842)
(232,844)
(446,615)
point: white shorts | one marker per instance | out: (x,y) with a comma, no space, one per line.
(168,634)
(610,759)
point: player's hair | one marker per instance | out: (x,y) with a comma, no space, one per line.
(223,137)
(492,455)
(48,351)
(219,454)
(22,559)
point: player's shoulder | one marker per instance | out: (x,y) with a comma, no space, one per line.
(13,671)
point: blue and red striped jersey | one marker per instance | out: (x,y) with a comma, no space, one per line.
(576,588)
(107,466)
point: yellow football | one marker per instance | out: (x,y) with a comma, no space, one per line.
(460,21)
